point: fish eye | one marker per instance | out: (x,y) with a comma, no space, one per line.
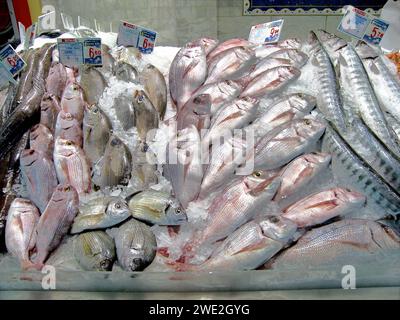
(257,174)
(307,122)
(274,219)
(69,143)
(66,189)
(104,264)
(118,205)
(140,98)
(197,100)
(178,211)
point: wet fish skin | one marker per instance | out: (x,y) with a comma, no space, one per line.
(230,64)
(72,166)
(197,112)
(286,142)
(208,44)
(155,86)
(94,251)
(8,105)
(56,80)
(136,245)
(332,44)
(100,213)
(301,172)
(291,107)
(298,58)
(227,45)
(251,245)
(22,219)
(108,60)
(187,73)
(323,206)
(93,84)
(233,115)
(145,115)
(350,241)
(96,132)
(124,111)
(350,170)
(267,49)
(393,124)
(55,221)
(157,207)
(39,174)
(49,109)
(115,167)
(69,128)
(329,100)
(41,139)
(73,101)
(221,93)
(27,75)
(270,81)
(124,71)
(184,167)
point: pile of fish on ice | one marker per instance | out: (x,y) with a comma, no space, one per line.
(105,168)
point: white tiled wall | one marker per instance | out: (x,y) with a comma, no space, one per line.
(179,21)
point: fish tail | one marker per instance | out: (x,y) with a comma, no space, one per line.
(27,264)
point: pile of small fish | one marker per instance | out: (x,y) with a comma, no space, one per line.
(295,176)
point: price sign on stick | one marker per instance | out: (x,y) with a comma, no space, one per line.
(266,32)
(131,35)
(375,31)
(92,52)
(11,60)
(70,52)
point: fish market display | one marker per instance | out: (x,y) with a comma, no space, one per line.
(217,156)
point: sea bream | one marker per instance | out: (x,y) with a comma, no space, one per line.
(69,128)
(197,112)
(93,84)
(208,44)
(41,139)
(49,109)
(56,80)
(146,117)
(267,49)
(72,101)
(227,45)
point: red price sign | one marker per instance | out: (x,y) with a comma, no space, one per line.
(274,32)
(94,52)
(12,61)
(376,33)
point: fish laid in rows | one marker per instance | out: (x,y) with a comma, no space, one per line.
(271,81)
(39,175)
(184,167)
(233,115)
(115,167)
(353,172)
(69,128)
(286,142)
(49,109)
(72,166)
(299,173)
(27,113)
(41,139)
(220,92)
(73,101)
(136,245)
(124,71)
(329,100)
(56,80)
(55,222)
(227,45)
(237,204)
(386,85)
(346,242)
(323,206)
(146,117)
(96,132)
(291,107)
(155,86)
(22,219)
(94,251)
(157,207)
(100,213)
(93,84)
(230,64)
(187,73)
(196,112)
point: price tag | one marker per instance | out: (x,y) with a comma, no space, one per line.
(5,76)
(70,51)
(92,52)
(363,26)
(266,32)
(46,22)
(131,35)
(11,60)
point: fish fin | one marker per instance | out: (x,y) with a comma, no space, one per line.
(342,60)
(314,61)
(374,68)
(326,205)
(190,67)
(27,264)
(253,247)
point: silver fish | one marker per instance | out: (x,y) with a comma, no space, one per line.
(72,166)
(187,73)
(156,88)
(144,167)
(125,72)
(41,139)
(39,175)
(323,206)
(267,49)
(230,64)
(22,219)
(352,172)
(96,132)
(124,111)
(286,142)
(136,245)
(100,213)
(69,128)
(146,116)
(332,44)
(271,81)
(157,207)
(299,58)
(221,93)
(197,112)
(94,251)
(115,167)
(184,167)
(55,222)
(394,124)
(93,84)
